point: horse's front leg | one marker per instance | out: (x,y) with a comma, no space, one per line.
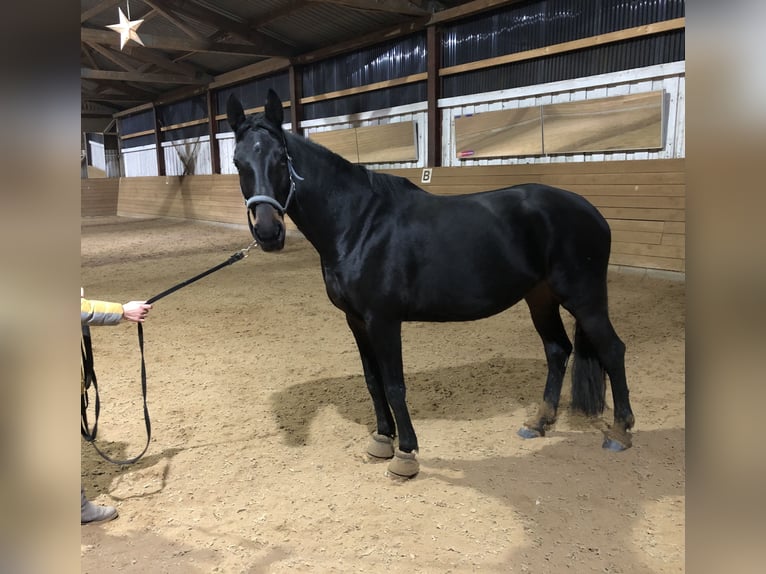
(381,443)
(386,341)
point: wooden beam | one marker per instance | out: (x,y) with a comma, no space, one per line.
(212,129)
(95,109)
(367,88)
(296,92)
(136,134)
(109,38)
(161,171)
(97,9)
(86,50)
(188,124)
(433,91)
(468,9)
(132,111)
(114,57)
(111,86)
(262,68)
(408,7)
(154,57)
(164,10)
(261,42)
(285,10)
(87,73)
(183,93)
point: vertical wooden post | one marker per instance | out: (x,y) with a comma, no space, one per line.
(212,129)
(434,139)
(161,171)
(296,93)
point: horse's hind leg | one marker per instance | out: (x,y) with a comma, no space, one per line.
(610,350)
(381,443)
(546,317)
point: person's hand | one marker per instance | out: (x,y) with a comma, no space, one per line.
(135,311)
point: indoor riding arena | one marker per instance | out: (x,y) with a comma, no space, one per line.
(259,410)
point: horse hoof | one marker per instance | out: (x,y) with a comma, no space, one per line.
(527,432)
(405,464)
(615,444)
(380,446)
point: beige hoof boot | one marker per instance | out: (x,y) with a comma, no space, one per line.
(380,446)
(404,464)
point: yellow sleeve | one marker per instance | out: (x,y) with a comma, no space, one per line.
(100,312)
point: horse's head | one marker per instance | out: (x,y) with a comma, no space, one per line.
(265,170)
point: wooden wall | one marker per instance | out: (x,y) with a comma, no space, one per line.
(202,197)
(98,196)
(643,201)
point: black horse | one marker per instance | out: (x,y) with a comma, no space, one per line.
(392,252)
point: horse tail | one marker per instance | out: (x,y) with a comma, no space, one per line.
(588,376)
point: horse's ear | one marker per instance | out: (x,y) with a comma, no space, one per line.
(234,112)
(274,112)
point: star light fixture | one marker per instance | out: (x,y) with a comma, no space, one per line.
(127,28)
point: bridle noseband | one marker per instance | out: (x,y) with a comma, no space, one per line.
(256,199)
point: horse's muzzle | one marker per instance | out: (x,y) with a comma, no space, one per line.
(268,228)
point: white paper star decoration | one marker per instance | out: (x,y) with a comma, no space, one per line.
(127,29)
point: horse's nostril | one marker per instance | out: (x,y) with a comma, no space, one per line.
(268,232)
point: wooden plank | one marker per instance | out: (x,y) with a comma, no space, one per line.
(671,251)
(204,197)
(636,225)
(184,125)
(95,173)
(675,227)
(647,262)
(387,143)
(637,237)
(644,214)
(421,77)
(592,179)
(623,189)
(262,68)
(453,189)
(98,197)
(673,239)
(676,165)
(618,123)
(637,201)
(500,133)
(500,179)
(136,134)
(342,142)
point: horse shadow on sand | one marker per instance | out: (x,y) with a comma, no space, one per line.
(597,510)
(485,389)
(583,509)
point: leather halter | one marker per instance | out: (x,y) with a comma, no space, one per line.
(252,202)
(256,199)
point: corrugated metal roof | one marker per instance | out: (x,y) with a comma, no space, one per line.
(189,42)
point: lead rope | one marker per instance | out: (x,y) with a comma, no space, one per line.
(89,374)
